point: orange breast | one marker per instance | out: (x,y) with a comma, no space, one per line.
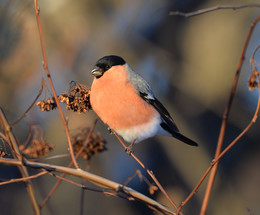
(117,102)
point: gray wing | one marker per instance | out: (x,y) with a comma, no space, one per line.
(140,84)
(147,94)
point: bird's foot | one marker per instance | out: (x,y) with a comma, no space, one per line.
(128,149)
(110,130)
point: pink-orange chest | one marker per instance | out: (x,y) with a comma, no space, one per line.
(117,102)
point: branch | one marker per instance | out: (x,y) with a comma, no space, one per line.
(29,108)
(218,155)
(149,173)
(16,153)
(97,180)
(37,11)
(23,179)
(4,138)
(55,187)
(215,161)
(207,10)
(225,118)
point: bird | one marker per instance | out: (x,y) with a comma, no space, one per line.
(124,101)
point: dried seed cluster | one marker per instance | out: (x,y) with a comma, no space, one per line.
(36,148)
(91,147)
(152,189)
(253,83)
(47,105)
(77,99)
(2,154)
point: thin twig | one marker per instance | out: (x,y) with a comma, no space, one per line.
(16,154)
(215,161)
(70,165)
(136,172)
(82,194)
(254,53)
(118,193)
(224,120)
(37,11)
(207,10)
(97,180)
(3,137)
(149,172)
(225,116)
(29,108)
(23,179)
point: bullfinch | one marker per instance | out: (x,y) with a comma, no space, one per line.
(126,103)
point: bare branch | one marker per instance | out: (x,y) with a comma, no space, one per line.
(55,187)
(225,118)
(29,108)
(207,10)
(97,180)
(37,11)
(16,153)
(218,155)
(23,179)
(149,173)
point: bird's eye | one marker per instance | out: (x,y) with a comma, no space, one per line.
(107,67)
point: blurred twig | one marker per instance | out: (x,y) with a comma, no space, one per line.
(37,11)
(29,108)
(222,154)
(82,194)
(149,173)
(3,137)
(99,181)
(16,154)
(138,173)
(152,188)
(207,10)
(225,118)
(70,165)
(23,179)
(219,155)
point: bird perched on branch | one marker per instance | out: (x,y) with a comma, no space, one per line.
(126,103)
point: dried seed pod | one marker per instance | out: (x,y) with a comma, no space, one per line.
(77,99)
(35,145)
(37,149)
(87,147)
(252,82)
(2,154)
(47,105)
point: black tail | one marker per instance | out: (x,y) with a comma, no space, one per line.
(174,131)
(184,139)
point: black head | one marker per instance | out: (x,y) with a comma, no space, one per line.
(105,63)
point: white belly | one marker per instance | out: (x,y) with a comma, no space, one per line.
(144,131)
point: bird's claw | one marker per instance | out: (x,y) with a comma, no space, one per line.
(110,130)
(128,150)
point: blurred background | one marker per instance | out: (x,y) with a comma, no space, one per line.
(189,62)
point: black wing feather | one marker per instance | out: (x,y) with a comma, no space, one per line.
(162,110)
(168,124)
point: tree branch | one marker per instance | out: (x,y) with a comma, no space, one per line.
(149,173)
(16,154)
(225,118)
(97,180)
(207,10)
(37,11)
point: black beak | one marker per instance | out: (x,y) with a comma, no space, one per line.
(97,72)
